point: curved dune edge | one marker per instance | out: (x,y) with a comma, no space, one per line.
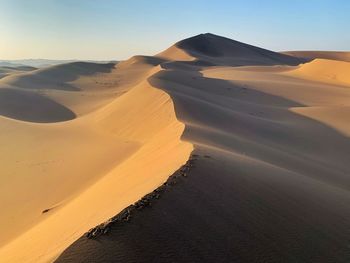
(334,55)
(14,104)
(259,159)
(153,125)
(260,172)
(270,181)
(324,70)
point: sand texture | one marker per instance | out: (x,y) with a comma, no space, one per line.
(80,142)
(267,180)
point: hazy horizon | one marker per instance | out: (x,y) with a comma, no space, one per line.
(116,30)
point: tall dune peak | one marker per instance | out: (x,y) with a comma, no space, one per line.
(219,50)
(207,43)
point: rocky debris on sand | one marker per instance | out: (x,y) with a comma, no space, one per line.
(146,201)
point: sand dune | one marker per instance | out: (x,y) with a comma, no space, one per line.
(267,182)
(57,77)
(79,88)
(334,55)
(270,178)
(81,172)
(15,104)
(71,88)
(209,49)
(325,70)
(6,71)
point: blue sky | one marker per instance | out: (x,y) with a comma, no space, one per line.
(118,29)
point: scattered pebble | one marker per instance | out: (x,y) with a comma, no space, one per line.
(126,214)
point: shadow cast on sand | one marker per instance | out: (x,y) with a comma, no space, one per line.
(268,185)
(32,107)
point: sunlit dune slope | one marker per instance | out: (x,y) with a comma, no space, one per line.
(74,89)
(325,70)
(60,179)
(269,134)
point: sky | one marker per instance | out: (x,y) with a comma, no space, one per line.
(118,29)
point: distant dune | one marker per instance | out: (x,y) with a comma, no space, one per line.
(41,63)
(325,70)
(243,152)
(209,50)
(106,131)
(334,55)
(6,70)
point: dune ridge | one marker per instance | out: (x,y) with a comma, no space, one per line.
(262,187)
(111,157)
(325,70)
(9,70)
(209,49)
(270,179)
(309,55)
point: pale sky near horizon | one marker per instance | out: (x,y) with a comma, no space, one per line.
(118,29)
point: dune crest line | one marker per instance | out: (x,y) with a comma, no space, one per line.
(271,178)
(121,148)
(265,134)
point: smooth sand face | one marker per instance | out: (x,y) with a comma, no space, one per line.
(208,49)
(334,55)
(325,70)
(59,179)
(271,180)
(276,176)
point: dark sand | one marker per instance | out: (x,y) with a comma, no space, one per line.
(222,212)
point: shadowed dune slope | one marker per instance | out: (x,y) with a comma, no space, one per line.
(6,71)
(57,93)
(28,106)
(78,88)
(270,180)
(216,50)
